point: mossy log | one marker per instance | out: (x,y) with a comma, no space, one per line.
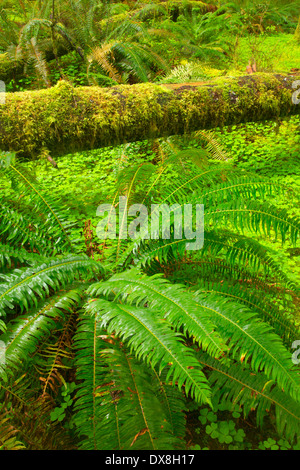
(65,119)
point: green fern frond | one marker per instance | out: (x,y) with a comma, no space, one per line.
(154,342)
(144,253)
(114,384)
(243,254)
(9,30)
(244,333)
(30,27)
(11,257)
(25,332)
(54,219)
(127,184)
(130,180)
(177,305)
(254,392)
(250,339)
(284,325)
(256,217)
(238,188)
(24,287)
(191,179)
(8,439)
(245,251)
(16,229)
(150,423)
(94,400)
(137,59)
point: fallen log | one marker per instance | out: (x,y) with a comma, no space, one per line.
(64,119)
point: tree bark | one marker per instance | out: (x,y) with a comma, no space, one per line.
(64,119)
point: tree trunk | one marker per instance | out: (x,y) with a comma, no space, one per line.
(64,119)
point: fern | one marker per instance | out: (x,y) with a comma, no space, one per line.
(142,410)
(158,325)
(10,257)
(284,325)
(161,346)
(101,56)
(8,440)
(16,229)
(245,335)
(251,339)
(157,293)
(54,220)
(29,330)
(22,287)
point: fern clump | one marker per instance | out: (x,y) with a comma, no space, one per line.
(190,72)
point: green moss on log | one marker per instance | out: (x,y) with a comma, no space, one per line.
(65,119)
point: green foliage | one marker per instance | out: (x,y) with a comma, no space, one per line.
(225,432)
(48,31)
(127,343)
(59,412)
(273,444)
(8,440)
(127,43)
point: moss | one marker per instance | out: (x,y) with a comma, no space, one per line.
(64,119)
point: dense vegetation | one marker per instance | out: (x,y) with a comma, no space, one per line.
(141,343)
